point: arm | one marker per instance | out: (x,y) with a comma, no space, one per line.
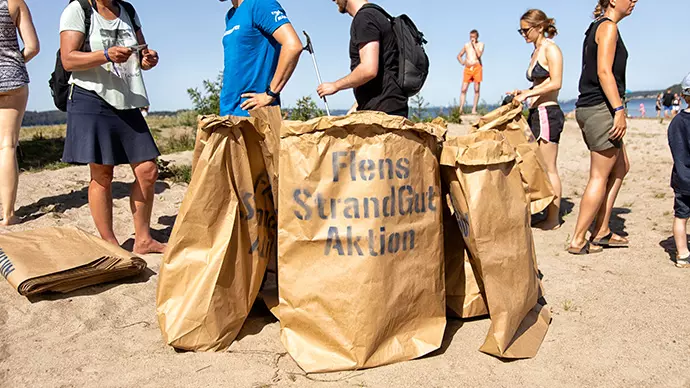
(607,38)
(554,59)
(460,56)
(479,50)
(149,60)
(27,31)
(75,60)
(366,71)
(291,48)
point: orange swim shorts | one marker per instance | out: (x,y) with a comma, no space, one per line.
(473,74)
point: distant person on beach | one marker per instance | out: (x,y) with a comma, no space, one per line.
(601,116)
(261,50)
(15,20)
(546,119)
(105,127)
(471,57)
(658,105)
(374,62)
(676,104)
(643,110)
(668,103)
(679,142)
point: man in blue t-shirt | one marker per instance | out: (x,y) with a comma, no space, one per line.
(261,53)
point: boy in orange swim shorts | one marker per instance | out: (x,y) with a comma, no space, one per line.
(471,58)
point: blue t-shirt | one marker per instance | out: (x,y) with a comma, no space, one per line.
(251,52)
(679,141)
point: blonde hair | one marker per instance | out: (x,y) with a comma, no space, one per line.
(601,8)
(537,18)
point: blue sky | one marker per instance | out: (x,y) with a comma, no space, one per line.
(187,34)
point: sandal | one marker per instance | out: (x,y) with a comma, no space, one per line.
(683,262)
(585,250)
(611,241)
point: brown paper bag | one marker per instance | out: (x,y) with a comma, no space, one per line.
(224,235)
(463,293)
(360,242)
(510,121)
(486,190)
(62,260)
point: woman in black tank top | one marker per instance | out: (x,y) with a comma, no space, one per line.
(601,115)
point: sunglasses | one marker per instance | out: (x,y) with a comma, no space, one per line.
(524,31)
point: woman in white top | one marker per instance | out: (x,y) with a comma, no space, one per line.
(546,119)
(14,94)
(105,127)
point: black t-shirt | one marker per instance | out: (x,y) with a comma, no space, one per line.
(668,99)
(383,93)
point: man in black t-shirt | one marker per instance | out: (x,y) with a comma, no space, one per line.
(668,104)
(373,61)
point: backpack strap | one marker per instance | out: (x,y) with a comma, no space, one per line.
(132,13)
(88,12)
(378,8)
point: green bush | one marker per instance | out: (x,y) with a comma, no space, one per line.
(208,101)
(306,109)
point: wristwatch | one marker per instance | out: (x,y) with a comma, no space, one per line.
(272,93)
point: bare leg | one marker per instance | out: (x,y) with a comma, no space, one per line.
(680,234)
(550,152)
(476,97)
(12,107)
(141,203)
(615,181)
(602,164)
(463,96)
(101,200)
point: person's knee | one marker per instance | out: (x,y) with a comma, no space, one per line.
(102,175)
(147,173)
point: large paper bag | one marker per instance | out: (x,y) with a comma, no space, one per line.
(463,290)
(360,257)
(493,213)
(62,260)
(510,121)
(222,240)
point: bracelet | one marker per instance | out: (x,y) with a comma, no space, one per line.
(271,93)
(107,57)
(620,108)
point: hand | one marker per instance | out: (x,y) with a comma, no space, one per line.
(256,101)
(149,59)
(620,126)
(514,92)
(520,97)
(327,89)
(119,54)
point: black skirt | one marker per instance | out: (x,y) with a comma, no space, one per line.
(100,134)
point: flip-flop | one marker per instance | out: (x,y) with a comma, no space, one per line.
(608,241)
(588,249)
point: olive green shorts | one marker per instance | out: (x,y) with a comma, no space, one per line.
(596,122)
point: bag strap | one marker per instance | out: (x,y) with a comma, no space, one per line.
(88,12)
(378,8)
(131,12)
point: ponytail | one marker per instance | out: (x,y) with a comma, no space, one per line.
(601,8)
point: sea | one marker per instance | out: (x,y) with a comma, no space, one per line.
(634,109)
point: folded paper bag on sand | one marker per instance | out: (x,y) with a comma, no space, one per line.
(62,260)
(223,238)
(493,215)
(360,259)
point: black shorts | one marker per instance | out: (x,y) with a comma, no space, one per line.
(681,207)
(547,123)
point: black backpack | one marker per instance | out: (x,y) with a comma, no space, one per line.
(413,61)
(59,80)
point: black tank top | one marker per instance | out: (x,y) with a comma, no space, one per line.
(591,93)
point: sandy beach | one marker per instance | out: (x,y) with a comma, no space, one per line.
(620,318)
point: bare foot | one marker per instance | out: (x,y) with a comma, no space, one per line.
(148,247)
(13,220)
(548,225)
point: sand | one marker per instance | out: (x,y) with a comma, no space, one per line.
(621,318)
